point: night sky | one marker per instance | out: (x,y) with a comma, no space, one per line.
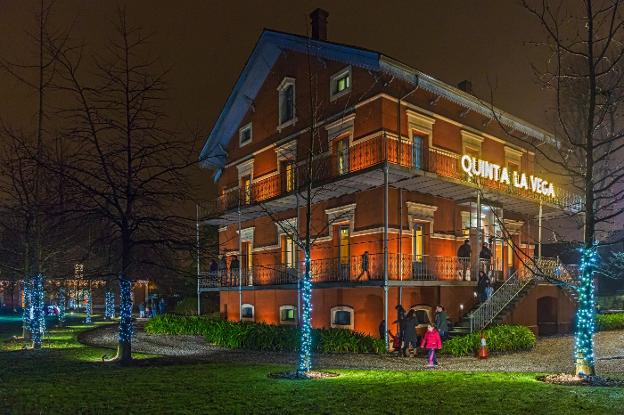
(206,43)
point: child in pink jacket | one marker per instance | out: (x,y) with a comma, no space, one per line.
(432,342)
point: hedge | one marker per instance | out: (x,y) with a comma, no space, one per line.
(264,337)
(610,321)
(503,338)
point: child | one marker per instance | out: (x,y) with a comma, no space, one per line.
(432,342)
(396,342)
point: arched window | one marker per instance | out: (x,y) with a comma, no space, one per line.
(288,314)
(342,317)
(248,312)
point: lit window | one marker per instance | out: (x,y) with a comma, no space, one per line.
(286,102)
(340,83)
(247,312)
(342,317)
(419,242)
(342,152)
(288,252)
(244,135)
(246,190)
(288,314)
(290,177)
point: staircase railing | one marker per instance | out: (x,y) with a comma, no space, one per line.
(493,306)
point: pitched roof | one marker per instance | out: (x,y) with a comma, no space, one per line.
(269,47)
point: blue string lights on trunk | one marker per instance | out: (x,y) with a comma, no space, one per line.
(585,321)
(305,351)
(37,321)
(125,311)
(27,311)
(61,305)
(88,306)
(109,304)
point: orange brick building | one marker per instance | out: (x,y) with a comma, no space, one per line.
(404,169)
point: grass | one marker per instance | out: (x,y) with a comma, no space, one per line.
(70,378)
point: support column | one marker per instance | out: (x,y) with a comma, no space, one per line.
(539,233)
(477,251)
(198,266)
(240,266)
(385,246)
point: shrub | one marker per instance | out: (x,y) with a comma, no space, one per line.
(611,321)
(264,337)
(186,307)
(503,338)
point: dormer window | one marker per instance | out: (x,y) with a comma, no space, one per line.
(286,92)
(244,135)
(340,83)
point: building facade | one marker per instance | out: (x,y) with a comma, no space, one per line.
(403,169)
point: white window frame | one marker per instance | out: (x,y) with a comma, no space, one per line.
(253,312)
(282,86)
(288,322)
(471,140)
(334,81)
(347,308)
(246,127)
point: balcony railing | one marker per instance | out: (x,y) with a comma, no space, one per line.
(364,154)
(352,269)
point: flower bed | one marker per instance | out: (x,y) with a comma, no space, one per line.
(503,338)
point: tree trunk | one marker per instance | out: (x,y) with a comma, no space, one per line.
(124,348)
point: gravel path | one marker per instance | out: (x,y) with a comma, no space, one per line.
(552,354)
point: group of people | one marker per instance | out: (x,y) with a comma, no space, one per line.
(464,254)
(407,339)
(152,308)
(220,269)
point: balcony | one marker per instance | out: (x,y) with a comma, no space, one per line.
(429,170)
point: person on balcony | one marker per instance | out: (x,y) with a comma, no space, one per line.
(463,254)
(486,257)
(441,320)
(214,269)
(409,333)
(222,268)
(365,267)
(432,342)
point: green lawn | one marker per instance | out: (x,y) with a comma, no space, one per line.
(69,378)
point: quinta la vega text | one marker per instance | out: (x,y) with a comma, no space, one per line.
(481,168)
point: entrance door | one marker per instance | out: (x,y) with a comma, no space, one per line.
(417,142)
(418,252)
(344,234)
(246,262)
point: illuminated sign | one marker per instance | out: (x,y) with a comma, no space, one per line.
(481,168)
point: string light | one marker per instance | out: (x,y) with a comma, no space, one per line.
(61,305)
(584,346)
(109,304)
(305,351)
(37,320)
(27,310)
(125,311)
(88,306)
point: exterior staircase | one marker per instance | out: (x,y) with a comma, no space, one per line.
(506,297)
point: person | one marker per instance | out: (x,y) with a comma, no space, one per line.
(382,329)
(401,321)
(441,320)
(162,306)
(489,290)
(148,311)
(396,342)
(141,310)
(432,342)
(486,256)
(234,267)
(364,266)
(463,254)
(482,285)
(222,268)
(409,333)
(214,269)
(153,308)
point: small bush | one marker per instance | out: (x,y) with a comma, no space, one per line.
(611,321)
(263,337)
(503,338)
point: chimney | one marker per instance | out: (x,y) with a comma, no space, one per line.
(318,18)
(465,86)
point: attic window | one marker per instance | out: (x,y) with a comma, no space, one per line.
(244,135)
(340,83)
(286,92)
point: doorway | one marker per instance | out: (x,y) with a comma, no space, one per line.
(547,316)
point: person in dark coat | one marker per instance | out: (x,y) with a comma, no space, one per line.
(482,284)
(382,329)
(223,269)
(463,255)
(486,257)
(400,320)
(364,267)
(410,335)
(441,320)
(234,267)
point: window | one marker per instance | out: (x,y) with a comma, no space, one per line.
(244,135)
(289,176)
(286,103)
(342,317)
(247,261)
(418,247)
(246,190)
(343,252)
(340,83)
(288,314)
(342,153)
(288,252)
(247,312)
(417,143)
